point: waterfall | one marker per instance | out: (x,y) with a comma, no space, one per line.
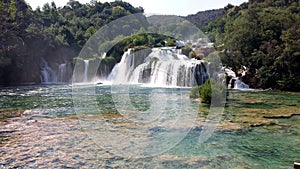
(240,85)
(48,74)
(62,72)
(122,70)
(86,68)
(162,67)
(236,82)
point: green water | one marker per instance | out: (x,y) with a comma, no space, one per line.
(268,145)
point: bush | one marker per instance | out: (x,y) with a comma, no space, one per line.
(195,92)
(192,54)
(186,50)
(205,92)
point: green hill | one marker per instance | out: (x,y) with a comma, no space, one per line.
(263,35)
(202,19)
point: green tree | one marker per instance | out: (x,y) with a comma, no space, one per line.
(170,42)
(8,12)
(263,36)
(209,89)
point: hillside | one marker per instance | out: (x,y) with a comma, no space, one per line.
(203,18)
(32,40)
(264,36)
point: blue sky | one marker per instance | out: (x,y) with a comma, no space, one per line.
(173,7)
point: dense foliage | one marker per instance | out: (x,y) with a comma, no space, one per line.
(203,18)
(137,42)
(263,35)
(53,33)
(30,38)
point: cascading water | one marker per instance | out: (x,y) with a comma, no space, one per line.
(240,85)
(62,72)
(86,68)
(235,82)
(162,67)
(48,74)
(122,70)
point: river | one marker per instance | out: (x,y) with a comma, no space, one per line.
(96,127)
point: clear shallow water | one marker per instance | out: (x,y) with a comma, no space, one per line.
(51,134)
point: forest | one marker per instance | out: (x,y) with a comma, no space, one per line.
(203,18)
(52,33)
(262,35)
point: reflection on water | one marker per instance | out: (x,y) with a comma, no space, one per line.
(258,129)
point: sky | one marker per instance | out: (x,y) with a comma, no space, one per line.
(168,7)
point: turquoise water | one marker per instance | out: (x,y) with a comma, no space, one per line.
(94,126)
